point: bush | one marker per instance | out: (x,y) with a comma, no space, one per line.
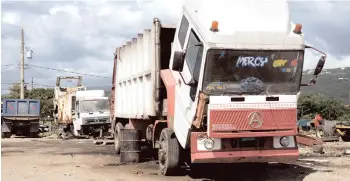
(330,109)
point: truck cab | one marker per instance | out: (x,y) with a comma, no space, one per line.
(235,71)
(90,112)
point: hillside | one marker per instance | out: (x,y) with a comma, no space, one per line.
(334,83)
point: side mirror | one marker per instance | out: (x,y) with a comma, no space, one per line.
(320,65)
(318,68)
(178,61)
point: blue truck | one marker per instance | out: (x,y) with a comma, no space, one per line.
(20,117)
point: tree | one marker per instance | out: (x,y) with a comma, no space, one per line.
(46,97)
(15,92)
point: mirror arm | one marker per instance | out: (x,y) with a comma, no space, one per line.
(307,46)
(312,82)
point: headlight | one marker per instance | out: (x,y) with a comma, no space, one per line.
(284,141)
(209,144)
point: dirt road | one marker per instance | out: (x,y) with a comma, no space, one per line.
(80,160)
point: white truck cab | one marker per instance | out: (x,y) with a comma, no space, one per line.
(245,49)
(91,113)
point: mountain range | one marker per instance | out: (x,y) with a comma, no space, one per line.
(333,83)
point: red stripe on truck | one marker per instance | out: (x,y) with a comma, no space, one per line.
(169,82)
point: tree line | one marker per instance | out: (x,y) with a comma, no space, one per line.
(330,109)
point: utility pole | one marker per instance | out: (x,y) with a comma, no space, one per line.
(22,64)
(32,83)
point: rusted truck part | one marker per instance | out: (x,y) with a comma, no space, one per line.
(63,102)
(308,140)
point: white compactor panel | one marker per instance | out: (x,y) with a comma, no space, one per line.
(137,73)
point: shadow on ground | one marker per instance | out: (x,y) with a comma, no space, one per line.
(249,172)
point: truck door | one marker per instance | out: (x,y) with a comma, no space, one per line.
(186,88)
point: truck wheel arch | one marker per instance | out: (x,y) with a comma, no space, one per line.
(159,125)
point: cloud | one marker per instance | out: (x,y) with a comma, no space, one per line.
(81,36)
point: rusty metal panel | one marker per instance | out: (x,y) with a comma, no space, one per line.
(308,140)
(63,100)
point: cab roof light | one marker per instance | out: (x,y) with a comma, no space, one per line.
(297,29)
(214,26)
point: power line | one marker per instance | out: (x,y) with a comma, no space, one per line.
(43,85)
(60,70)
(6,65)
(48,68)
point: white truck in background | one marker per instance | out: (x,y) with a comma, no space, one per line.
(90,113)
(220,87)
(78,111)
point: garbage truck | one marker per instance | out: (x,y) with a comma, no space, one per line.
(20,117)
(219,87)
(80,112)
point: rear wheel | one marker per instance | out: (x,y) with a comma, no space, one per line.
(118,127)
(34,134)
(168,153)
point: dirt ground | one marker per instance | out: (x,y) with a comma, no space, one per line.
(81,160)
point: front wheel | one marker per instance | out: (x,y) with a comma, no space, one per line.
(118,127)
(168,153)
(6,135)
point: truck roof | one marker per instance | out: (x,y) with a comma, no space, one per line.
(245,24)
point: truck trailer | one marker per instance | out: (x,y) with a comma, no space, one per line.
(20,117)
(219,87)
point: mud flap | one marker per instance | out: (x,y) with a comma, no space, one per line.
(6,126)
(34,127)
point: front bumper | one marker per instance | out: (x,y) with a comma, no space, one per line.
(281,156)
(236,150)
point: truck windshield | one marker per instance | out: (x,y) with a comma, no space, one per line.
(94,105)
(253,72)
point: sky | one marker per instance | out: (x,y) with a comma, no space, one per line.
(81,36)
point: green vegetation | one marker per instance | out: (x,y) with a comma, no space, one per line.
(330,109)
(44,95)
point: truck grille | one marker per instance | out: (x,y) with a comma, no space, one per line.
(239,120)
(101,120)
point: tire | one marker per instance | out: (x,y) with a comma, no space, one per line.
(321,132)
(6,135)
(346,138)
(34,134)
(116,136)
(168,153)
